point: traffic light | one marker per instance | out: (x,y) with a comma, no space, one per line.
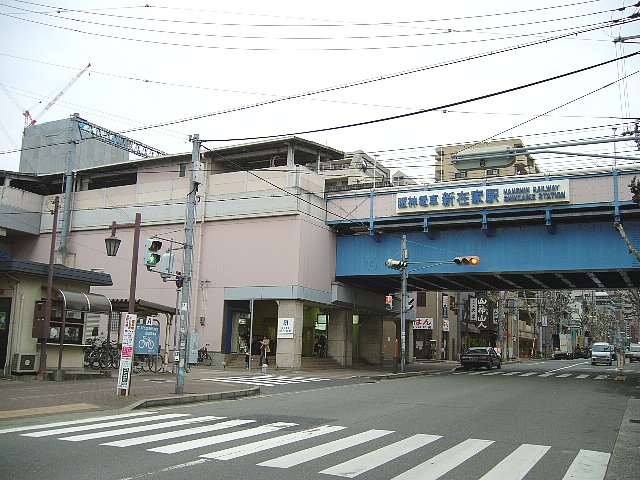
(635,189)
(166,265)
(466,260)
(152,253)
(409,304)
(388,300)
(395,264)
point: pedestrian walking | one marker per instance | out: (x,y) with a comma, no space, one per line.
(264,350)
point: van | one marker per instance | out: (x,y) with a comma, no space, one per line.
(601,353)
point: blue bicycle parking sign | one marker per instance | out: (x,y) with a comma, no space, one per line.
(147,339)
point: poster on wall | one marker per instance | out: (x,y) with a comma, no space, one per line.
(423,324)
(285,327)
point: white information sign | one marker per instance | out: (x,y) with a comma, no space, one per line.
(126,353)
(423,324)
(285,327)
(445,325)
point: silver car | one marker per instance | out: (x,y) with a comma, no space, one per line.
(601,353)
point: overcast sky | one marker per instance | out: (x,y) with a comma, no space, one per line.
(233,63)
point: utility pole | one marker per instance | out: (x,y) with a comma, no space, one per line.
(501,324)
(404,304)
(188,262)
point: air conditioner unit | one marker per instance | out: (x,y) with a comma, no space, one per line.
(25,362)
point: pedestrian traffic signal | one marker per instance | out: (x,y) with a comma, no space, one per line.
(166,265)
(466,260)
(179,280)
(388,300)
(152,253)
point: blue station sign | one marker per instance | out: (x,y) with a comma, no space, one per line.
(484,196)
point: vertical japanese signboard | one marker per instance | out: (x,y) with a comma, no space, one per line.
(473,309)
(483,313)
(126,353)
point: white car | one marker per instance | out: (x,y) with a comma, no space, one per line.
(601,353)
(633,353)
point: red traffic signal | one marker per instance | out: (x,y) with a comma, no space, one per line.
(388,300)
(469,260)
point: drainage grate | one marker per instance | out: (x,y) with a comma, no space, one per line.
(634,420)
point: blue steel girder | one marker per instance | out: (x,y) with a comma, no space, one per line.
(589,254)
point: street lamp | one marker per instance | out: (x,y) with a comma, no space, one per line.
(112,244)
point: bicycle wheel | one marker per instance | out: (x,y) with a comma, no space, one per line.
(137,365)
(206,359)
(94,360)
(155,363)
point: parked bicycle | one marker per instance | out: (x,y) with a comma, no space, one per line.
(203,357)
(148,363)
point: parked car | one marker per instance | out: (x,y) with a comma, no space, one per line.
(601,353)
(633,353)
(581,352)
(476,357)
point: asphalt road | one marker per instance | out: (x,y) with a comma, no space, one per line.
(454,425)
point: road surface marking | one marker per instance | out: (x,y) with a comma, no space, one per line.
(265,380)
(139,428)
(588,465)
(225,437)
(446,461)
(564,375)
(492,373)
(511,373)
(74,422)
(380,456)
(249,448)
(117,423)
(178,433)
(548,374)
(584,375)
(528,374)
(318,451)
(602,377)
(518,463)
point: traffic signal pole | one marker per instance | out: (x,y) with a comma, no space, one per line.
(188,266)
(403,305)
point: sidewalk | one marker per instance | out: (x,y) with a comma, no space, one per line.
(27,397)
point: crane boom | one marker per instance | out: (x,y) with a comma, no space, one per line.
(29,120)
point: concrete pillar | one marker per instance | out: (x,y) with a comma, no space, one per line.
(339,335)
(289,351)
(370,344)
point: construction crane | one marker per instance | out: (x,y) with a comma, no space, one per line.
(29,120)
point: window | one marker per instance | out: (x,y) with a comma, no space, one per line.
(73,326)
(461,175)
(493,172)
(183,169)
(421,299)
(321,321)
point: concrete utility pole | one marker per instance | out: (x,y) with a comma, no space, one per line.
(403,305)
(501,324)
(188,263)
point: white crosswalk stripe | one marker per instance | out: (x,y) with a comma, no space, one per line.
(311,445)
(588,465)
(552,374)
(178,433)
(518,463)
(371,460)
(225,437)
(324,449)
(265,380)
(446,461)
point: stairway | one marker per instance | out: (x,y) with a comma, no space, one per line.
(317,363)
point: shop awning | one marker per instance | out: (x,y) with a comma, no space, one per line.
(85,302)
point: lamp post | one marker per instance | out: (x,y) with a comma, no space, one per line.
(112,244)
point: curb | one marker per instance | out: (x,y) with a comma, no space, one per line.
(194,397)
